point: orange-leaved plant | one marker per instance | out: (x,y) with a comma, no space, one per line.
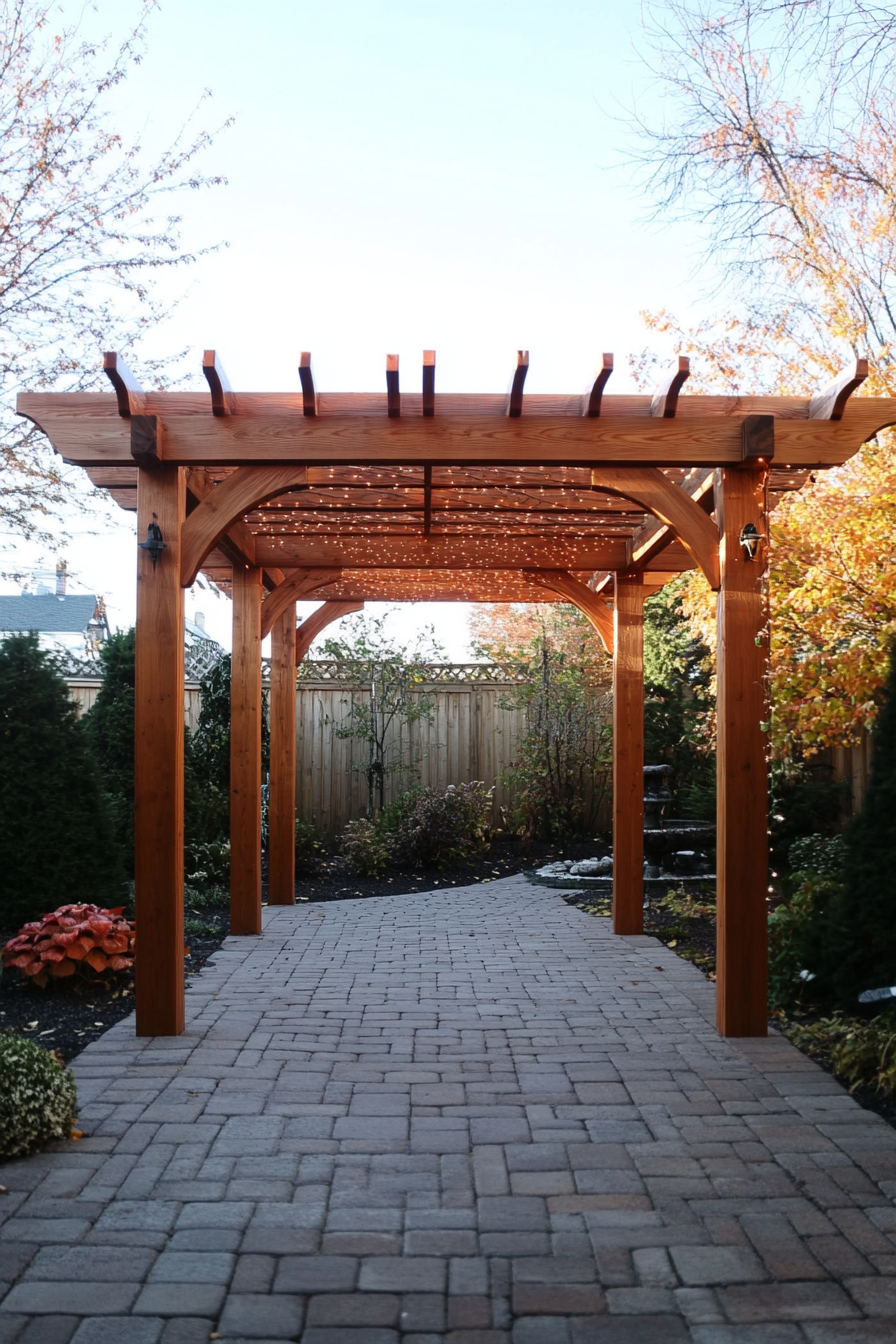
(75,938)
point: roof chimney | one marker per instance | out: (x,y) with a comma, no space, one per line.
(199,619)
(61,577)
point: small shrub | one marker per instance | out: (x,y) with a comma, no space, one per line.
(207,863)
(38,1100)
(201,928)
(206,898)
(796,932)
(309,846)
(818,855)
(788,934)
(435,829)
(365,848)
(862,1053)
(75,938)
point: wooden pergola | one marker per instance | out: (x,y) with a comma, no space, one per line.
(594,499)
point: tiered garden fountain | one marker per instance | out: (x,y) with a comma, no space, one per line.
(674,849)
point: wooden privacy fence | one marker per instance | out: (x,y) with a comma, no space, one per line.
(473,734)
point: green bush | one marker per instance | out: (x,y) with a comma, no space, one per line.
(206,898)
(207,863)
(38,1100)
(366,848)
(309,846)
(421,829)
(109,726)
(862,1053)
(110,730)
(797,927)
(859,934)
(435,830)
(817,856)
(57,840)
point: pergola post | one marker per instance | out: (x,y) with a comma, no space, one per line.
(282,797)
(742,791)
(159,758)
(628,755)
(245,753)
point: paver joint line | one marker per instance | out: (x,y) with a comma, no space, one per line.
(471,1116)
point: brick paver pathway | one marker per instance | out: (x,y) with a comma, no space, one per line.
(471,1116)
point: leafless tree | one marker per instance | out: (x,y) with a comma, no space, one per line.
(86,225)
(778,144)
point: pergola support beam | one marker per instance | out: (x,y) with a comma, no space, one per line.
(159,759)
(742,791)
(245,754)
(282,799)
(628,755)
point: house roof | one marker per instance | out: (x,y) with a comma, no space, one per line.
(47,613)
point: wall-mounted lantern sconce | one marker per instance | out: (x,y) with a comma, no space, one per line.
(154,543)
(750,539)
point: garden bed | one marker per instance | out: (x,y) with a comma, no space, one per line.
(332,881)
(66,1016)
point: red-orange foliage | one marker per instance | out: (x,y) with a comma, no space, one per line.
(510,630)
(73,938)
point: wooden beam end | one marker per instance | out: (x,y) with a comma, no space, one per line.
(219,387)
(831,403)
(665,402)
(306,378)
(429,383)
(592,398)
(758,439)
(146,434)
(393,393)
(515,393)
(128,391)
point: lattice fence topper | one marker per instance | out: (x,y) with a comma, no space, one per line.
(199,658)
(357,673)
(202,656)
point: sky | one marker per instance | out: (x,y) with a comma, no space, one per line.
(401,175)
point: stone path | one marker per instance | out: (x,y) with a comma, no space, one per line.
(469,1116)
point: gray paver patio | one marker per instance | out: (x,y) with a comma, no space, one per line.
(472,1116)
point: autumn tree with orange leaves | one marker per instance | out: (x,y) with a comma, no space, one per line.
(780,144)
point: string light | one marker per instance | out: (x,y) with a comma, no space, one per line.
(371,515)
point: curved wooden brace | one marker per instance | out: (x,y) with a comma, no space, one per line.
(673,506)
(297,584)
(589,603)
(242,490)
(308,631)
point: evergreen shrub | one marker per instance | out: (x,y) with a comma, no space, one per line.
(859,930)
(109,725)
(57,839)
(38,1099)
(796,927)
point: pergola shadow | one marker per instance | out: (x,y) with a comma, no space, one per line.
(594,499)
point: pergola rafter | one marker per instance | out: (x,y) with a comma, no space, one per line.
(595,499)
